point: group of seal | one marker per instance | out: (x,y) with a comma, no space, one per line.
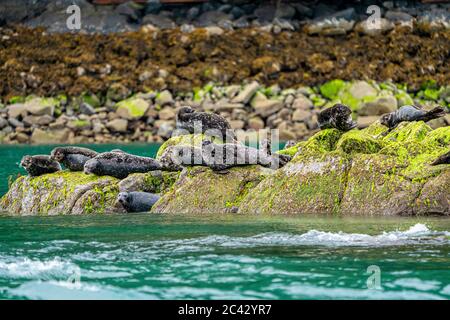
(219,157)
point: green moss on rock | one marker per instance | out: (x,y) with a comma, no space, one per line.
(62,192)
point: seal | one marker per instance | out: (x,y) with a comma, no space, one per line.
(220,157)
(410,113)
(137,201)
(39,165)
(73,158)
(175,158)
(289,144)
(209,123)
(120,164)
(338,116)
(443,159)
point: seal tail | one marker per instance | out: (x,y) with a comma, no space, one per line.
(433,114)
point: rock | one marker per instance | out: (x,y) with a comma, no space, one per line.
(330,27)
(132,108)
(285,11)
(117,125)
(300,115)
(237,124)
(41,106)
(165,128)
(256,123)
(38,120)
(195,192)
(361,89)
(379,106)
(398,16)
(210,18)
(79,125)
(3,123)
(365,121)
(214,31)
(22,137)
(167,113)
(86,108)
(247,93)
(303,10)
(302,102)
(359,173)
(159,21)
(264,106)
(117,92)
(267,65)
(367,27)
(61,193)
(16,110)
(163,98)
(40,136)
(15,123)
(153,181)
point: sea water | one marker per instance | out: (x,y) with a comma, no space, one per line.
(149,256)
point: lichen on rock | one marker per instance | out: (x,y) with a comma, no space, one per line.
(62,192)
(199,190)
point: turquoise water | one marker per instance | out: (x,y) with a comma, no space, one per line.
(10,156)
(227,257)
(145,256)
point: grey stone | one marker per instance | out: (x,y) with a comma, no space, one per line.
(86,108)
(159,21)
(117,125)
(247,93)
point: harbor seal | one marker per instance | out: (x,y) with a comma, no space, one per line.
(120,164)
(209,123)
(220,157)
(174,158)
(39,165)
(338,116)
(410,113)
(73,158)
(443,159)
(137,201)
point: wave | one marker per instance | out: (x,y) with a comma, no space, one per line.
(13,267)
(417,234)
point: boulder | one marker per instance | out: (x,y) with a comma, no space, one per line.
(40,136)
(197,191)
(117,125)
(62,192)
(132,109)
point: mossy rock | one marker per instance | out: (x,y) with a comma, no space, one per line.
(305,185)
(62,192)
(153,181)
(199,190)
(356,141)
(132,108)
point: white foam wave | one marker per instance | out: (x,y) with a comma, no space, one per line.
(419,233)
(11,267)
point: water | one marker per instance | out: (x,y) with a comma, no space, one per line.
(148,256)
(228,257)
(10,156)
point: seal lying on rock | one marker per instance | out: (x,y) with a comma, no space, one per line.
(338,116)
(209,123)
(443,159)
(410,113)
(137,201)
(39,165)
(120,164)
(73,158)
(176,157)
(220,157)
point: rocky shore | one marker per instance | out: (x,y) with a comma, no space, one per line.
(360,172)
(150,117)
